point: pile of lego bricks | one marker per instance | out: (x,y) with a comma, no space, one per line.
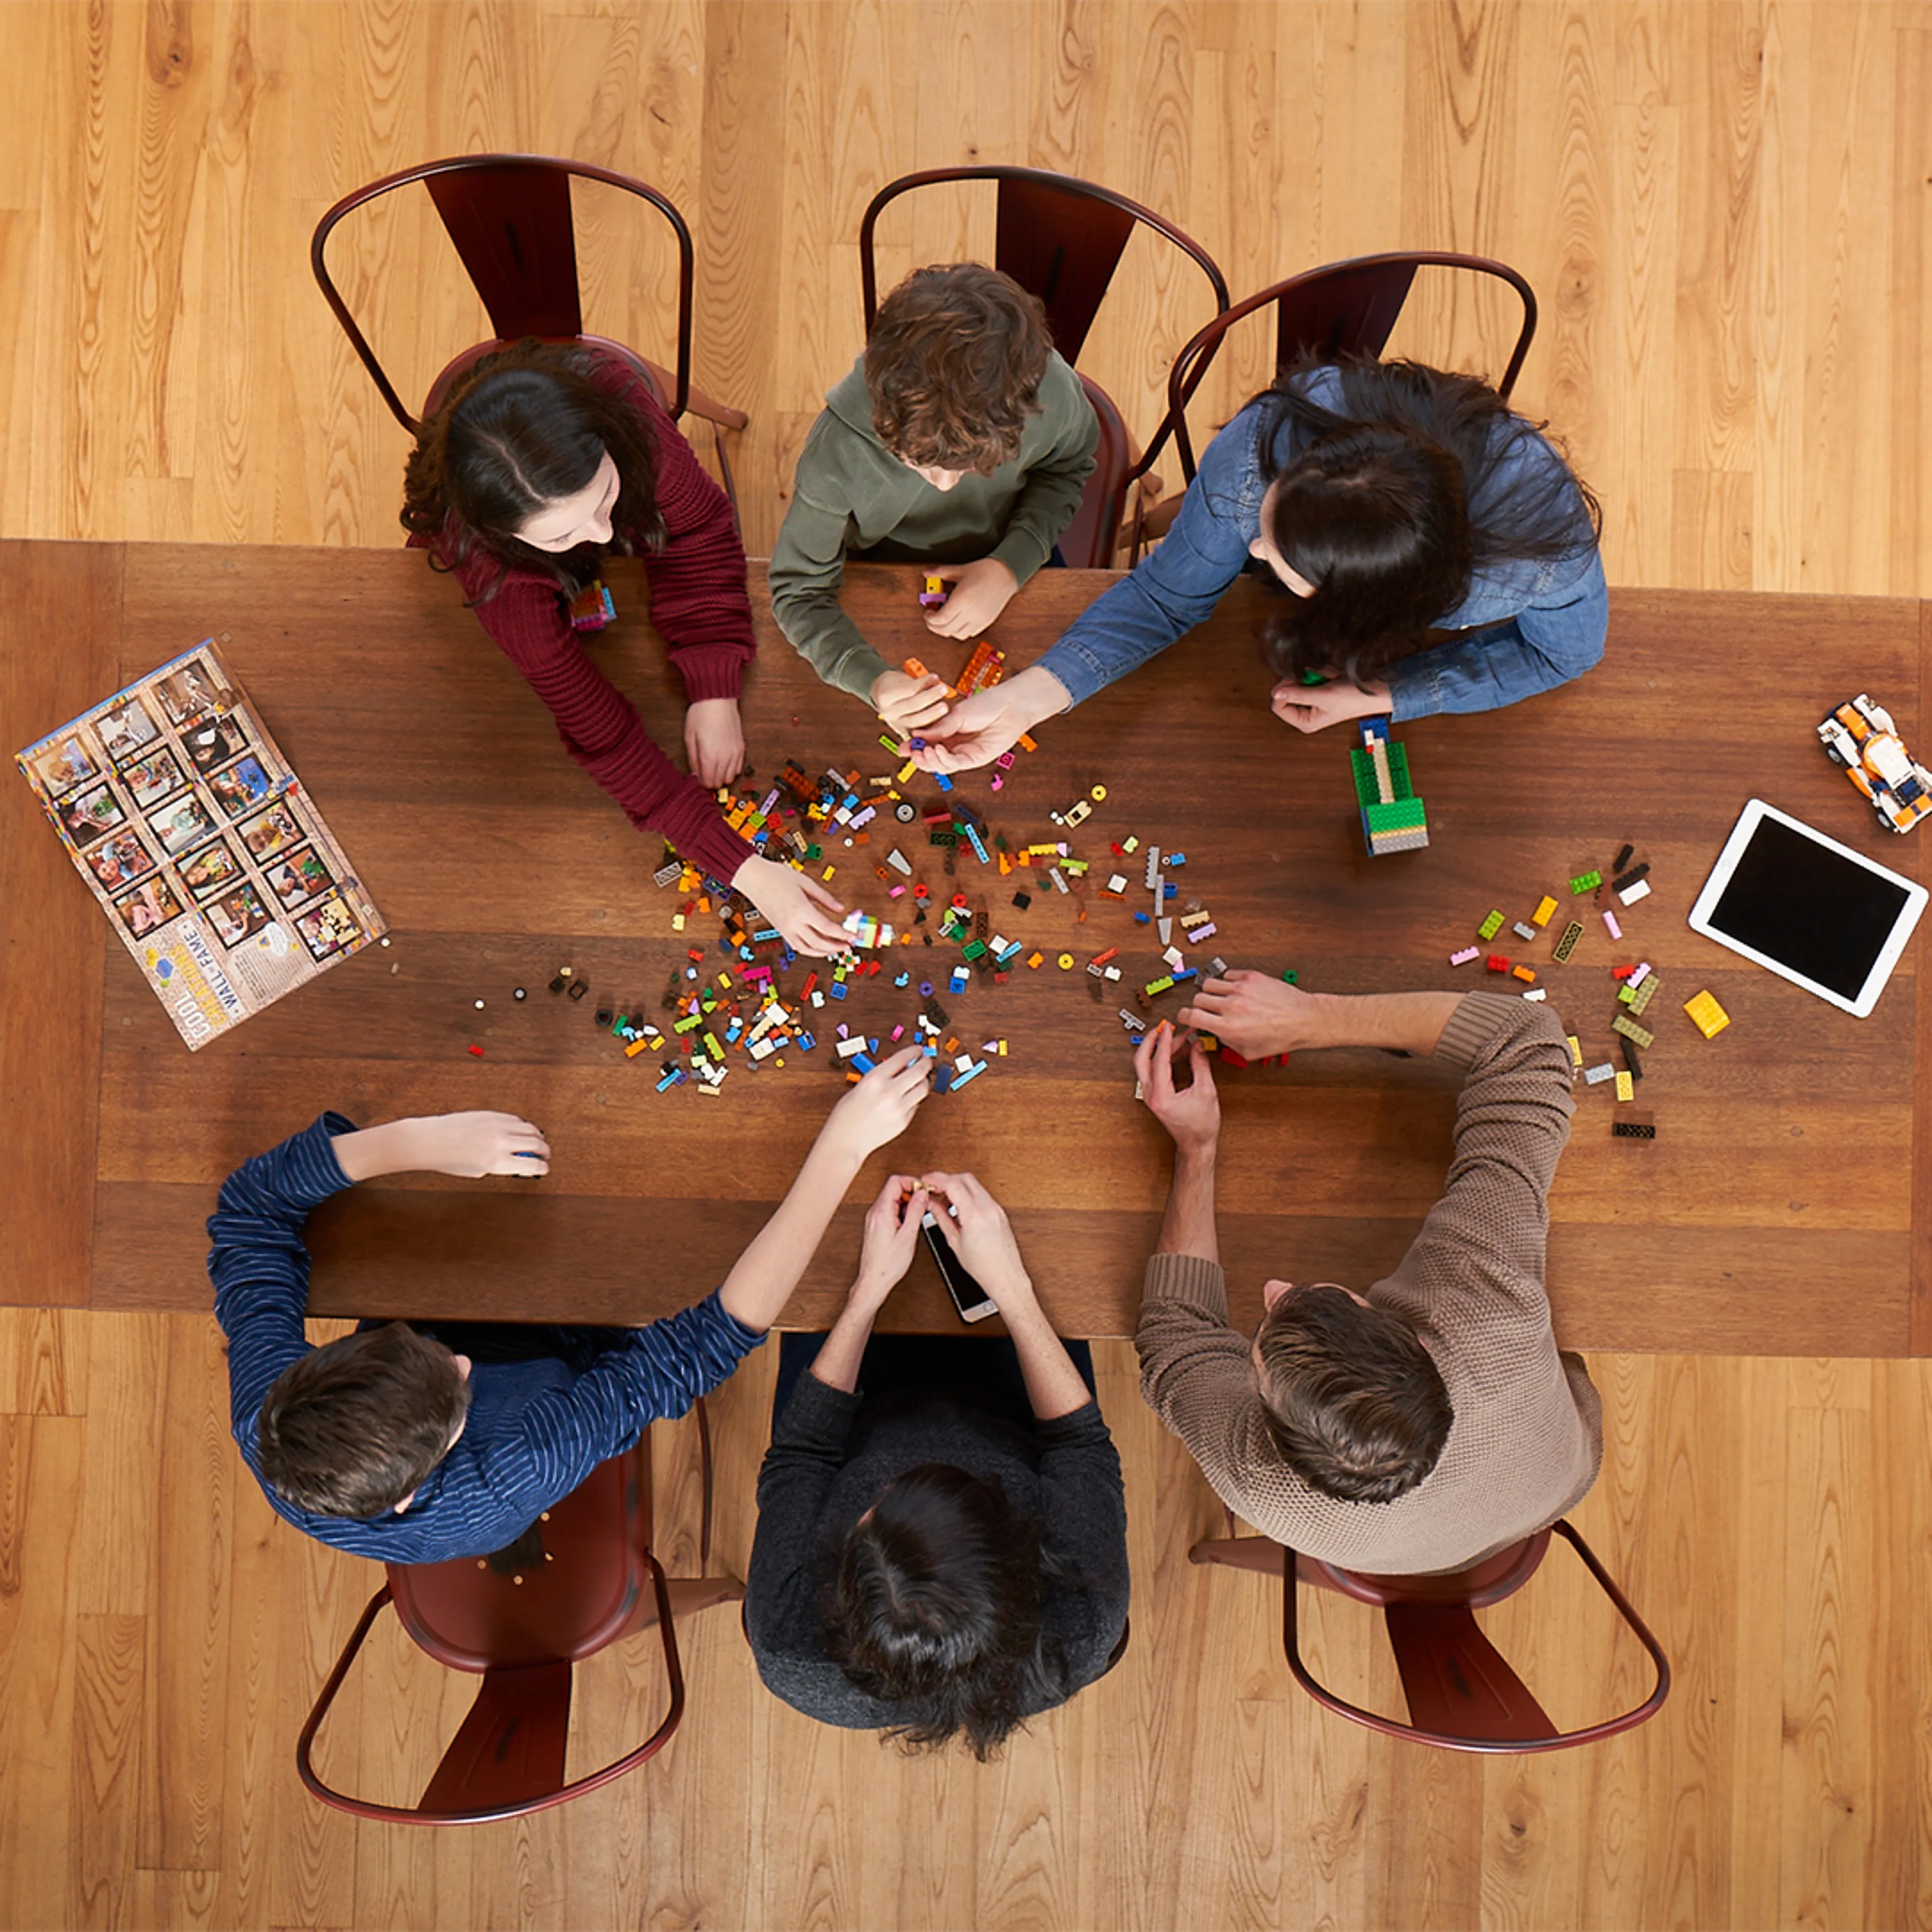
(1636,982)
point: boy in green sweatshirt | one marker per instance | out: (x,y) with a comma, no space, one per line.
(961,441)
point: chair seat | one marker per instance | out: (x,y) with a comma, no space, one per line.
(564,1590)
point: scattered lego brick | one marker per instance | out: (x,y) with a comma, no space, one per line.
(1585,882)
(1710,1018)
(1566,944)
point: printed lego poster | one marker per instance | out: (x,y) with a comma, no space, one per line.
(179,811)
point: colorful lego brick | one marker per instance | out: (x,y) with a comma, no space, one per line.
(1497,963)
(933,595)
(1468,953)
(1585,882)
(1566,944)
(1393,818)
(1610,925)
(1626,1088)
(1526,974)
(1546,910)
(1576,1048)
(1711,1018)
(1596,1075)
(1490,927)
(1631,894)
(1634,1130)
(1631,1031)
(1641,996)
(1523,929)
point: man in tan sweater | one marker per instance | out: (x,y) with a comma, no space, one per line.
(1430,1421)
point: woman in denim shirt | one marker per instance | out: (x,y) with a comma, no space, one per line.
(1445,558)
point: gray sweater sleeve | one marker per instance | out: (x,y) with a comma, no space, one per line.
(1083,1531)
(807,1453)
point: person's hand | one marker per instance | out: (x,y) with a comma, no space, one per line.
(980,592)
(880,1108)
(1314,707)
(909,704)
(471,1144)
(714,741)
(1254,1013)
(1191,1115)
(891,1233)
(979,728)
(982,1238)
(803,911)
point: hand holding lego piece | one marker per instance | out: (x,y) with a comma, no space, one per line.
(880,1108)
(1314,707)
(981,590)
(804,912)
(979,728)
(714,741)
(1191,1114)
(469,1145)
(1254,1013)
(891,1236)
(909,704)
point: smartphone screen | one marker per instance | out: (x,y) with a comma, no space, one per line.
(968,1297)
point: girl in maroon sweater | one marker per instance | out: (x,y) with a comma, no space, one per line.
(540,457)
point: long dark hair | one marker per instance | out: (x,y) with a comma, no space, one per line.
(1376,509)
(936,1608)
(518,431)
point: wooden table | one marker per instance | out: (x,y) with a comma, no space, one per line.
(1776,1211)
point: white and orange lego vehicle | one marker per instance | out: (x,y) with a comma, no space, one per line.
(1860,736)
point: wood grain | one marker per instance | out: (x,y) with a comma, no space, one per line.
(1724,208)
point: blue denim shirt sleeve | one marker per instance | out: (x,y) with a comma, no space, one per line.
(1544,644)
(1176,585)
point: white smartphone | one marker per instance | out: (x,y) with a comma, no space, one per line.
(968,1297)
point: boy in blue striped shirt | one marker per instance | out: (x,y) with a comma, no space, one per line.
(390,1444)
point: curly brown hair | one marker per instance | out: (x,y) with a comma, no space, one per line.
(518,431)
(953,365)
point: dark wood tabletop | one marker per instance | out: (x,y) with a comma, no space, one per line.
(1776,1211)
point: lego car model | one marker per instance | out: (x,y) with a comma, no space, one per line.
(1860,736)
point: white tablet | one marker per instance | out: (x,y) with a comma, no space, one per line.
(1813,911)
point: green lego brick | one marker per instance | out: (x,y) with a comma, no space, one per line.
(1493,924)
(1641,998)
(1628,1027)
(1586,882)
(1405,815)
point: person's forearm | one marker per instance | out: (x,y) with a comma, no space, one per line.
(758,1287)
(839,1355)
(1037,693)
(1054,1384)
(1408,1022)
(1187,1228)
(390,1148)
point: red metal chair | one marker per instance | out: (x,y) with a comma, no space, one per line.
(1461,1694)
(581,1576)
(509,217)
(1348,307)
(1061,238)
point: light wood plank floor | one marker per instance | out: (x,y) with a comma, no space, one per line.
(1724,207)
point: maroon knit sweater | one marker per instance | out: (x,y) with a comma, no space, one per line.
(698,606)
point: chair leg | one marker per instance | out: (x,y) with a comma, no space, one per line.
(1240,1552)
(699,403)
(705,1480)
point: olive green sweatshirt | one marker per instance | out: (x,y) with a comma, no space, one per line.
(851,493)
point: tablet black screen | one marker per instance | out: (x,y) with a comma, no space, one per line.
(1809,908)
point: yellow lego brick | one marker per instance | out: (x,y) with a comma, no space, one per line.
(1546,910)
(677,922)
(1626,1086)
(1710,1018)
(1575,1049)
(828,872)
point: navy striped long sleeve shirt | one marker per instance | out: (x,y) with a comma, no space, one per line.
(535,1428)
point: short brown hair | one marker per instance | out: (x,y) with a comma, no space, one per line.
(953,366)
(356,1425)
(1353,1400)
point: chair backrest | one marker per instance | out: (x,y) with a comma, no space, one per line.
(1347,308)
(1461,1693)
(1059,237)
(509,217)
(576,1580)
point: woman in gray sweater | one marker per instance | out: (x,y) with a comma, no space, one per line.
(944,1554)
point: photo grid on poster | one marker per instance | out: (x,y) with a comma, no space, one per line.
(221,876)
